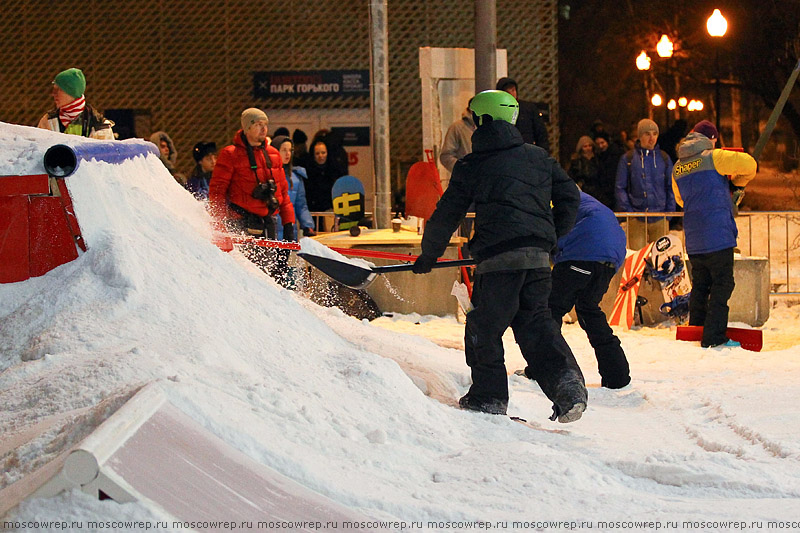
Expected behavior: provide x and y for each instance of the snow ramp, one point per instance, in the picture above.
(152, 300)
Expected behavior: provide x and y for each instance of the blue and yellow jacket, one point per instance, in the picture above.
(700, 182)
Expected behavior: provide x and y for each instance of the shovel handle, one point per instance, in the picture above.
(409, 266)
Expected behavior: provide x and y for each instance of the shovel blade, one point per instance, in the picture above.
(347, 274)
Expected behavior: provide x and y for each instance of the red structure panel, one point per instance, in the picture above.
(51, 242)
(14, 253)
(24, 185)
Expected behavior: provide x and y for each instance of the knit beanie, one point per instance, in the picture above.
(583, 141)
(299, 136)
(202, 149)
(706, 128)
(252, 115)
(278, 140)
(646, 125)
(602, 135)
(71, 81)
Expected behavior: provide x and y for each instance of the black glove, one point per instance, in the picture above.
(309, 232)
(423, 264)
(288, 232)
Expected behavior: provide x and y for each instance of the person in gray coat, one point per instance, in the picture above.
(458, 139)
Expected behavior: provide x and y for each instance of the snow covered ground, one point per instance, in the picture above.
(363, 412)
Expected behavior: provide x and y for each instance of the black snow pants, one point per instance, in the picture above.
(582, 284)
(517, 298)
(712, 286)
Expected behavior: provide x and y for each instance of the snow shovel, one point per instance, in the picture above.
(358, 277)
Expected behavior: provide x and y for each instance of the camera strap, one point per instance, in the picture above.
(251, 156)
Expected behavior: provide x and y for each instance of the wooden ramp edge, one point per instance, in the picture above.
(150, 451)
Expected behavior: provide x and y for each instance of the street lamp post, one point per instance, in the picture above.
(664, 49)
(643, 64)
(717, 26)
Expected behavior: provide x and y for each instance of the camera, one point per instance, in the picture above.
(266, 193)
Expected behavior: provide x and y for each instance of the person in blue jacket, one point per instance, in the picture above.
(644, 184)
(297, 192)
(205, 157)
(586, 259)
(701, 180)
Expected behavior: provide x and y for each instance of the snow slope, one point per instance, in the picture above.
(362, 412)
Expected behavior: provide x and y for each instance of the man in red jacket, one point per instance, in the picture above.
(248, 185)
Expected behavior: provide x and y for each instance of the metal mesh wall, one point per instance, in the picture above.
(190, 63)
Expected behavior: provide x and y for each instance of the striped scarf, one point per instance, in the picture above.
(70, 112)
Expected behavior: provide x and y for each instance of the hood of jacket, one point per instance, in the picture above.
(496, 135)
(156, 139)
(238, 139)
(694, 144)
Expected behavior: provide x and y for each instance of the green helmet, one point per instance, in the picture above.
(499, 105)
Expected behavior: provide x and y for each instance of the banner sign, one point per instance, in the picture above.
(291, 83)
(353, 135)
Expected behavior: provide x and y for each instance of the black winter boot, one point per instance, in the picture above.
(493, 407)
(570, 399)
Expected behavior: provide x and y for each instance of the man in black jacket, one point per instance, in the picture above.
(529, 123)
(512, 185)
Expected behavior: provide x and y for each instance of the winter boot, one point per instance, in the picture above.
(727, 344)
(523, 372)
(570, 400)
(615, 383)
(493, 406)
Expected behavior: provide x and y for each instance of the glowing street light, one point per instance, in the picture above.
(671, 104)
(643, 61)
(656, 100)
(695, 105)
(682, 101)
(664, 47)
(716, 24)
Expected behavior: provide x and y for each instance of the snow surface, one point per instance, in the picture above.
(363, 412)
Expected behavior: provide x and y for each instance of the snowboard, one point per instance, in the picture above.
(666, 265)
(750, 339)
(625, 302)
(348, 201)
(537, 426)
(423, 189)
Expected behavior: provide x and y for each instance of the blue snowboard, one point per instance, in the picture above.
(348, 201)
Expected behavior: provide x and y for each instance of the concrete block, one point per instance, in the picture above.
(406, 292)
(749, 302)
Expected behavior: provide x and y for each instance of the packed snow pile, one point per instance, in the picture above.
(363, 412)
